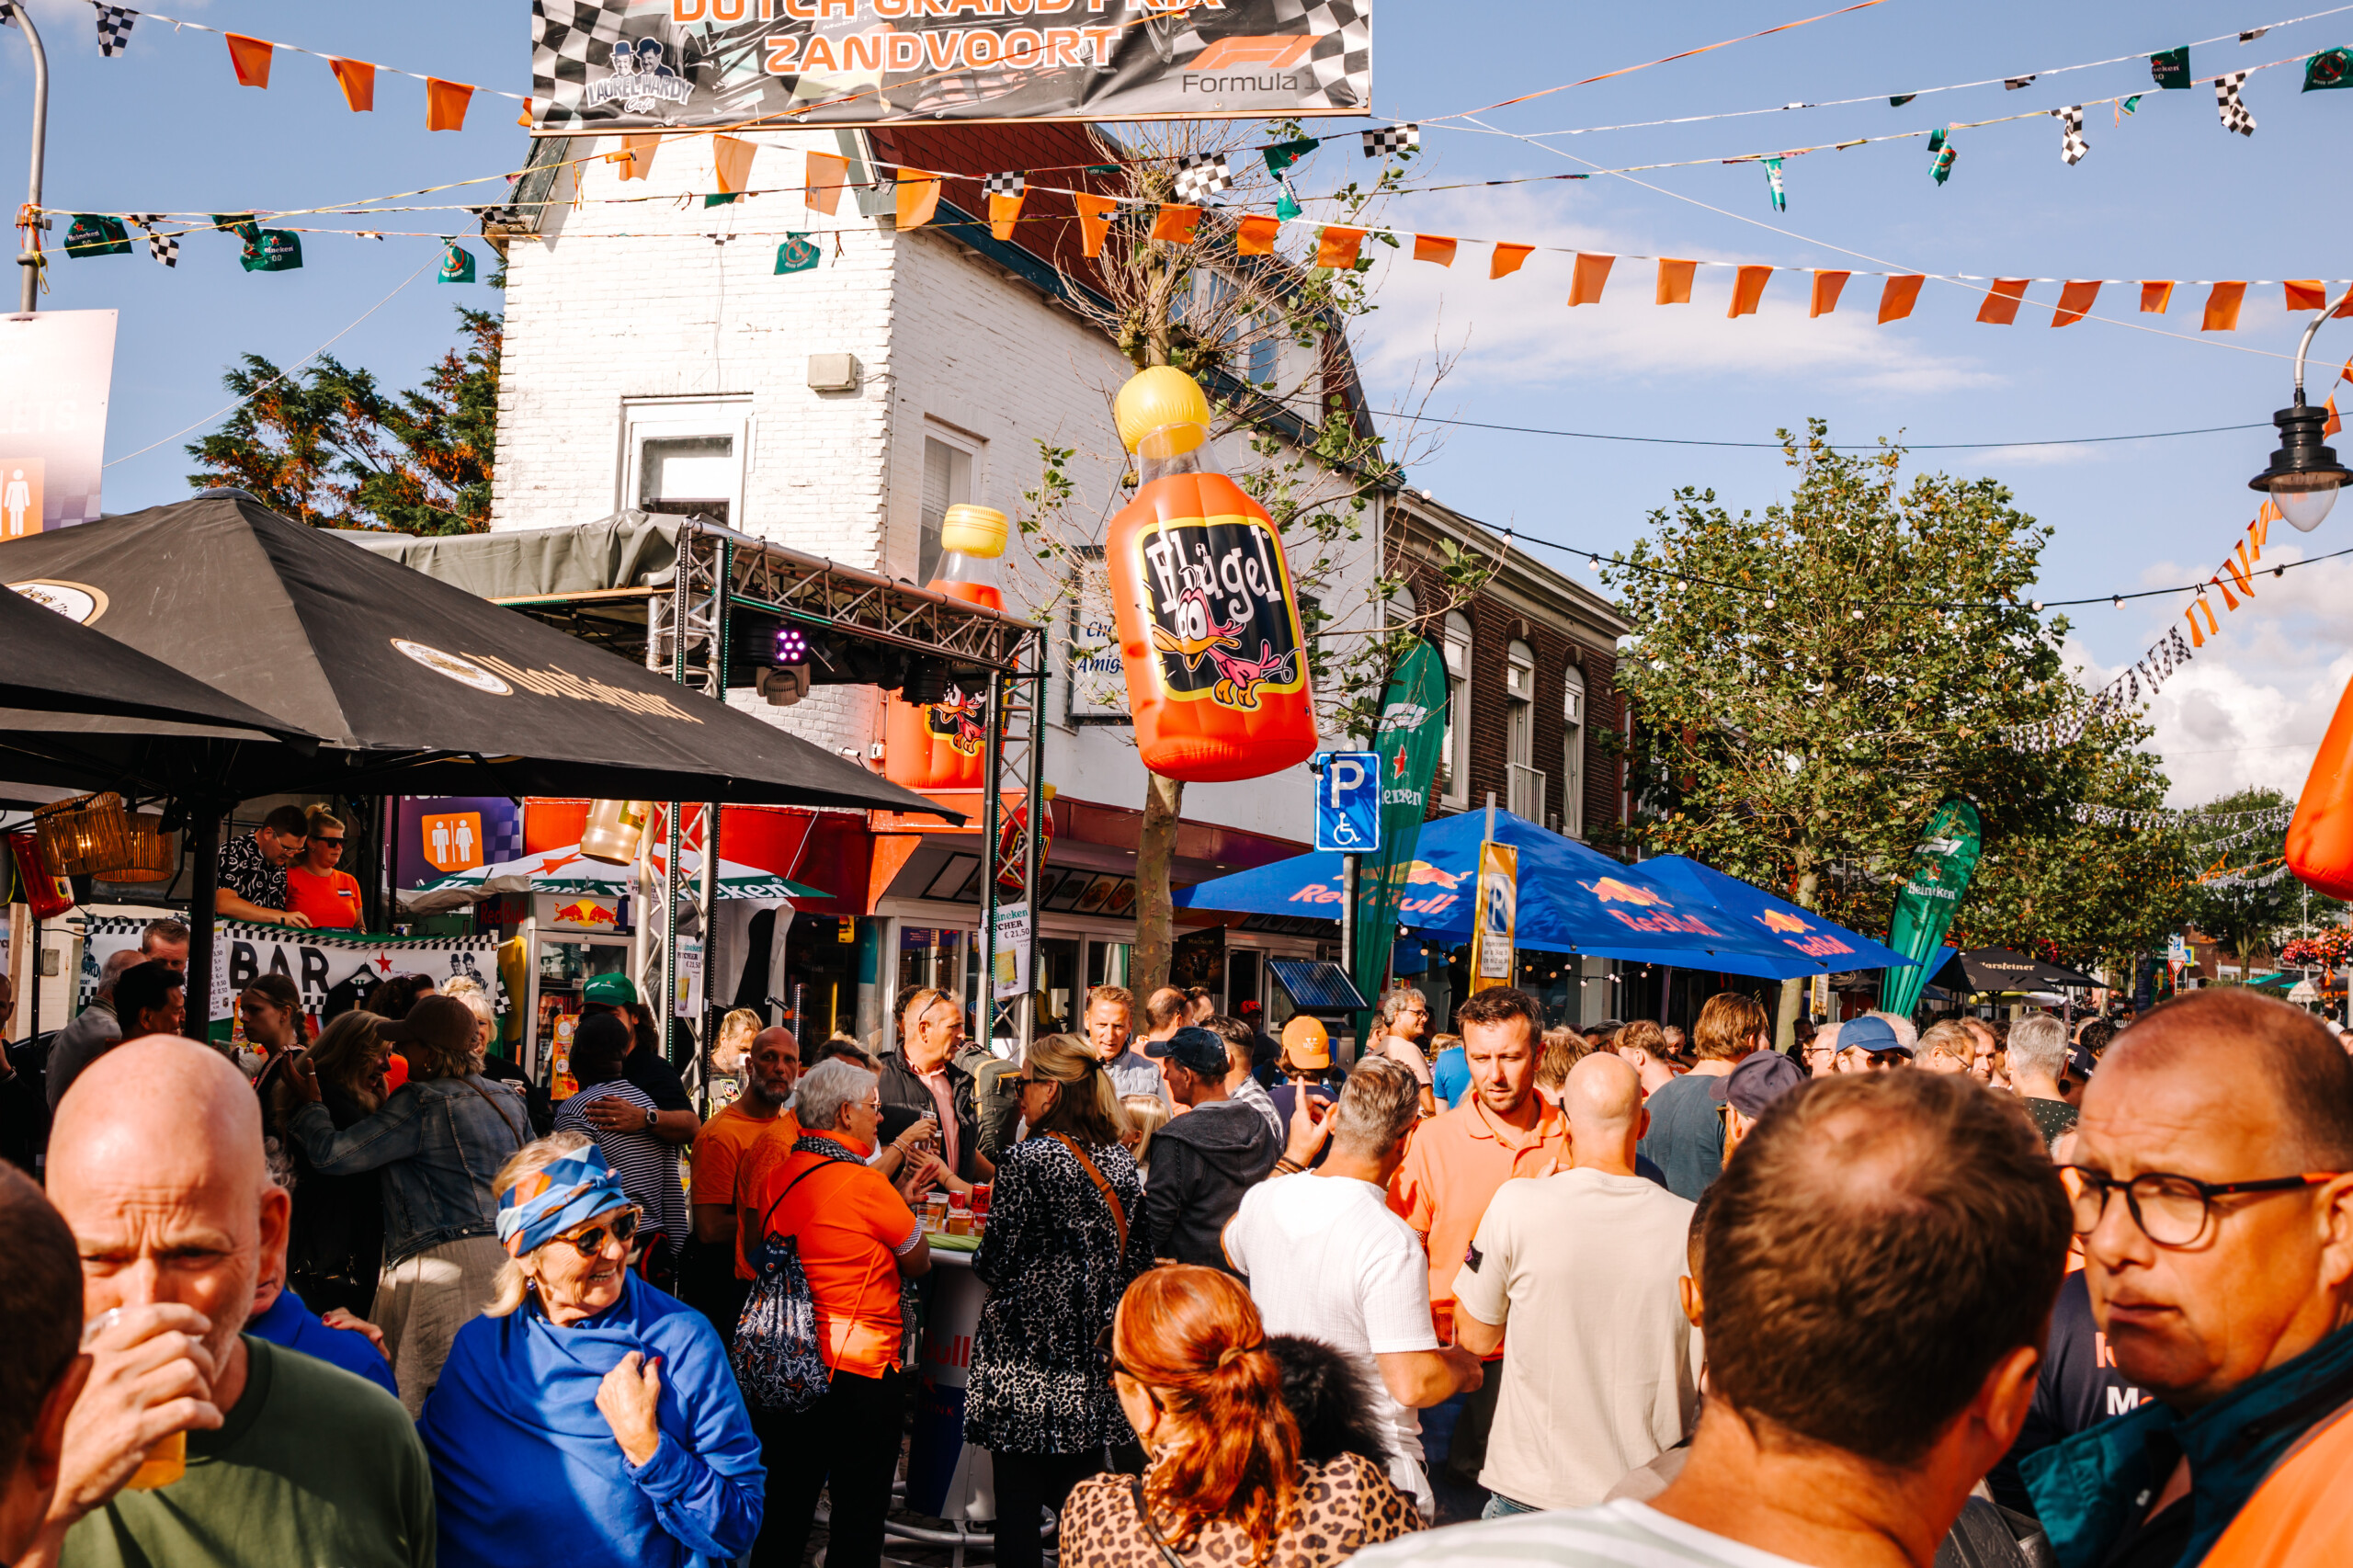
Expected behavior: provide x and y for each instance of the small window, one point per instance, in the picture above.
(946, 482)
(687, 459)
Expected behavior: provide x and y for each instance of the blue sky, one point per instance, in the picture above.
(2169, 194)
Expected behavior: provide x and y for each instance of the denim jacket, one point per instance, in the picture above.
(439, 1141)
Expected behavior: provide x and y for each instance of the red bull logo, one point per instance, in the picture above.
(1609, 890)
(1795, 933)
(1789, 924)
(587, 912)
(1423, 874)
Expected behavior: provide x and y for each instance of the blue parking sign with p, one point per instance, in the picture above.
(1347, 802)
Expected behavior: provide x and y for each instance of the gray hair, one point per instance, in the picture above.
(1397, 1001)
(1380, 1099)
(824, 1089)
(2038, 1045)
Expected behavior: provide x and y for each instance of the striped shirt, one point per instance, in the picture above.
(1616, 1535)
(647, 1166)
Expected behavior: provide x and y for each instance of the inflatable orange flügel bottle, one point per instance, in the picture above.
(1217, 678)
(941, 746)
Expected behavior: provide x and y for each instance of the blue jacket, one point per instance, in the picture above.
(526, 1469)
(2089, 1489)
(439, 1141)
(290, 1323)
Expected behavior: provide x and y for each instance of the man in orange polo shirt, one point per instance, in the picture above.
(1502, 1129)
(718, 1270)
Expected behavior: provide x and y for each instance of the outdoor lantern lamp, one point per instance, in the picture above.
(2304, 475)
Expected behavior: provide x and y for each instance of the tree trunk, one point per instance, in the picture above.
(1164, 803)
(1785, 1026)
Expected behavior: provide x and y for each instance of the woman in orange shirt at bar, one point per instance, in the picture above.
(313, 886)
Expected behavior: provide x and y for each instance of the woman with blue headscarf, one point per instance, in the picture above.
(586, 1417)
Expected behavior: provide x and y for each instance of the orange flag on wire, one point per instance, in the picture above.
(1674, 281)
(1256, 233)
(2198, 638)
(1338, 247)
(523, 119)
(2344, 305)
(2306, 294)
(2155, 298)
(822, 177)
(2001, 306)
(250, 56)
(2333, 426)
(445, 104)
(636, 156)
(358, 79)
(2222, 308)
(918, 197)
(1585, 283)
(1094, 220)
(1004, 211)
(1176, 223)
(1895, 300)
(1507, 259)
(1747, 287)
(2075, 298)
(1438, 248)
(731, 160)
(1827, 289)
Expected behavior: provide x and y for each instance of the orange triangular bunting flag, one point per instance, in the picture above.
(2307, 294)
(1592, 273)
(1094, 220)
(1438, 248)
(2075, 298)
(636, 156)
(1256, 233)
(2155, 298)
(358, 79)
(1747, 287)
(822, 178)
(2001, 306)
(1895, 300)
(2198, 638)
(2222, 308)
(2258, 532)
(1004, 212)
(1827, 289)
(1507, 259)
(523, 119)
(731, 159)
(2345, 304)
(250, 58)
(918, 197)
(1338, 247)
(1176, 223)
(1674, 281)
(445, 104)
(2333, 426)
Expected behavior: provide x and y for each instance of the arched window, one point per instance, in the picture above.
(1454, 765)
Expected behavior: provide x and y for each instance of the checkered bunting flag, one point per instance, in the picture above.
(2012, 84)
(164, 248)
(2072, 145)
(1202, 174)
(1390, 139)
(1005, 184)
(2226, 103)
(114, 29)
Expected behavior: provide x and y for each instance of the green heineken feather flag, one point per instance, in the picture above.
(93, 233)
(1411, 731)
(272, 250)
(2171, 69)
(1942, 865)
(2329, 68)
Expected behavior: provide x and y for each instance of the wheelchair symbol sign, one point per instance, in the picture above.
(1347, 802)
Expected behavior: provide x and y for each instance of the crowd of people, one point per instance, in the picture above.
(1602, 1296)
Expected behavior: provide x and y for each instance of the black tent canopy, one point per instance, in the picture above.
(2002, 969)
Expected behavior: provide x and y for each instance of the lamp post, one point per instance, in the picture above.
(2304, 475)
(29, 258)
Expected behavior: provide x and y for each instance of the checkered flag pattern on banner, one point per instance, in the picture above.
(2226, 102)
(2012, 84)
(567, 36)
(1391, 139)
(164, 248)
(1005, 184)
(2072, 145)
(114, 29)
(1202, 174)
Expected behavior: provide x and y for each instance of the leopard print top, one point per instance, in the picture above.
(1343, 1505)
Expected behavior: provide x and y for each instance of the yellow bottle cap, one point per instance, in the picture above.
(1161, 412)
(973, 531)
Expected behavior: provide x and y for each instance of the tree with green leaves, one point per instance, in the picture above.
(326, 445)
(1809, 685)
(2233, 893)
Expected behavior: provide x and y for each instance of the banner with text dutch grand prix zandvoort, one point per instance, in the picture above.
(637, 65)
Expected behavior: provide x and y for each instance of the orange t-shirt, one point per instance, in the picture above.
(331, 901)
(2303, 1513)
(1454, 1165)
(853, 1227)
(725, 1170)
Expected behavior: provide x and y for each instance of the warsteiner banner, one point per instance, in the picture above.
(657, 64)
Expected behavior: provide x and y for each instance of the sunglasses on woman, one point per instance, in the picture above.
(591, 1242)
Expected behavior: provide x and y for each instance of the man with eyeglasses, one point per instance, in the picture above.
(2213, 1191)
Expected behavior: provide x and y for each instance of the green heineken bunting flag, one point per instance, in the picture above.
(796, 255)
(457, 263)
(1411, 731)
(241, 224)
(722, 199)
(2329, 68)
(95, 235)
(2171, 69)
(1900, 99)
(272, 250)
(1941, 867)
(1283, 155)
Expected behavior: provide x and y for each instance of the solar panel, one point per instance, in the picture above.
(1317, 986)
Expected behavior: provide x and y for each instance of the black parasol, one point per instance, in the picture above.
(2001, 969)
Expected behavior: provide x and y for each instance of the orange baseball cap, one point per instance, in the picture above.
(1306, 1043)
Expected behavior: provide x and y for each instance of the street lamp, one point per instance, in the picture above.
(29, 296)
(2304, 475)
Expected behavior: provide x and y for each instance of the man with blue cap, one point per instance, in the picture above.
(1869, 1044)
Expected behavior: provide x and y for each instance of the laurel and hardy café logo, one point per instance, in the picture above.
(642, 80)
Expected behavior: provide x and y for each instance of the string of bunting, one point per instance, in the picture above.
(2263, 819)
(2240, 878)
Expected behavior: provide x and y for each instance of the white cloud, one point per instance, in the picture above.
(1519, 332)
